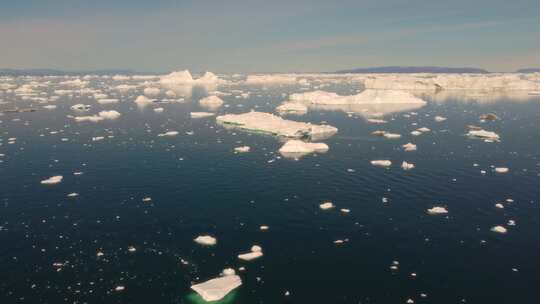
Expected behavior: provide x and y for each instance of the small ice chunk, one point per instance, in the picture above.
(206, 240)
(119, 288)
(502, 170)
(52, 180)
(217, 288)
(407, 166)
(73, 194)
(168, 134)
(242, 149)
(437, 210)
(292, 108)
(151, 92)
(499, 229)
(256, 252)
(201, 114)
(326, 205)
(499, 205)
(211, 102)
(409, 147)
(439, 118)
(105, 101)
(483, 134)
(381, 163)
(158, 110)
(296, 148)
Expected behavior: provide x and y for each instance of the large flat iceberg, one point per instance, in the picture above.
(365, 97)
(275, 125)
(216, 289)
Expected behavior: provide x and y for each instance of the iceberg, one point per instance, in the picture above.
(256, 252)
(407, 166)
(184, 78)
(211, 102)
(52, 180)
(381, 163)
(205, 240)
(168, 134)
(365, 97)
(502, 170)
(326, 206)
(103, 115)
(292, 108)
(242, 149)
(499, 229)
(483, 134)
(143, 101)
(409, 147)
(201, 114)
(296, 148)
(275, 125)
(437, 210)
(216, 289)
(151, 92)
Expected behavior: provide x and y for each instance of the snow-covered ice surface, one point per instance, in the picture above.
(141, 181)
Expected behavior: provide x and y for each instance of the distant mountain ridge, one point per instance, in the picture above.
(53, 72)
(413, 69)
(529, 70)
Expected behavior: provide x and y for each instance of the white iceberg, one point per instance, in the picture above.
(216, 289)
(201, 114)
(499, 229)
(326, 206)
(292, 108)
(103, 115)
(381, 163)
(437, 210)
(143, 101)
(206, 240)
(365, 97)
(184, 78)
(502, 170)
(168, 134)
(256, 252)
(151, 92)
(295, 148)
(483, 134)
(275, 125)
(52, 180)
(407, 166)
(273, 79)
(409, 147)
(242, 149)
(211, 102)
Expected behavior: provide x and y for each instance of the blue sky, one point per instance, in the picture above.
(268, 36)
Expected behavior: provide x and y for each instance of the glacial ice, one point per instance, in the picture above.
(217, 288)
(407, 166)
(52, 180)
(409, 147)
(103, 115)
(255, 253)
(483, 134)
(211, 102)
(201, 114)
(295, 148)
(273, 79)
(437, 210)
(275, 125)
(381, 163)
(326, 205)
(499, 229)
(206, 240)
(184, 78)
(365, 97)
(242, 149)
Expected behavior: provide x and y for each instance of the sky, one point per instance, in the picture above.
(247, 36)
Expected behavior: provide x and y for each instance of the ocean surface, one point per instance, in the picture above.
(60, 249)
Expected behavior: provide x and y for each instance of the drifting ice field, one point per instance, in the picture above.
(126, 190)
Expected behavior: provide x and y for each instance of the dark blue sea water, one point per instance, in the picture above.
(198, 185)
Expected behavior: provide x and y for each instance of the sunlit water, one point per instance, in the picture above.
(198, 185)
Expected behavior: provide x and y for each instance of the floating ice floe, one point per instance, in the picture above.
(365, 97)
(499, 229)
(407, 166)
(381, 163)
(255, 253)
(205, 240)
(295, 148)
(502, 170)
(159, 110)
(376, 121)
(103, 115)
(409, 147)
(143, 101)
(80, 107)
(326, 205)
(275, 125)
(168, 134)
(483, 134)
(185, 78)
(201, 114)
(292, 108)
(217, 288)
(439, 118)
(50, 107)
(242, 149)
(386, 134)
(151, 92)
(52, 180)
(105, 101)
(437, 210)
(211, 102)
(274, 79)
(489, 117)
